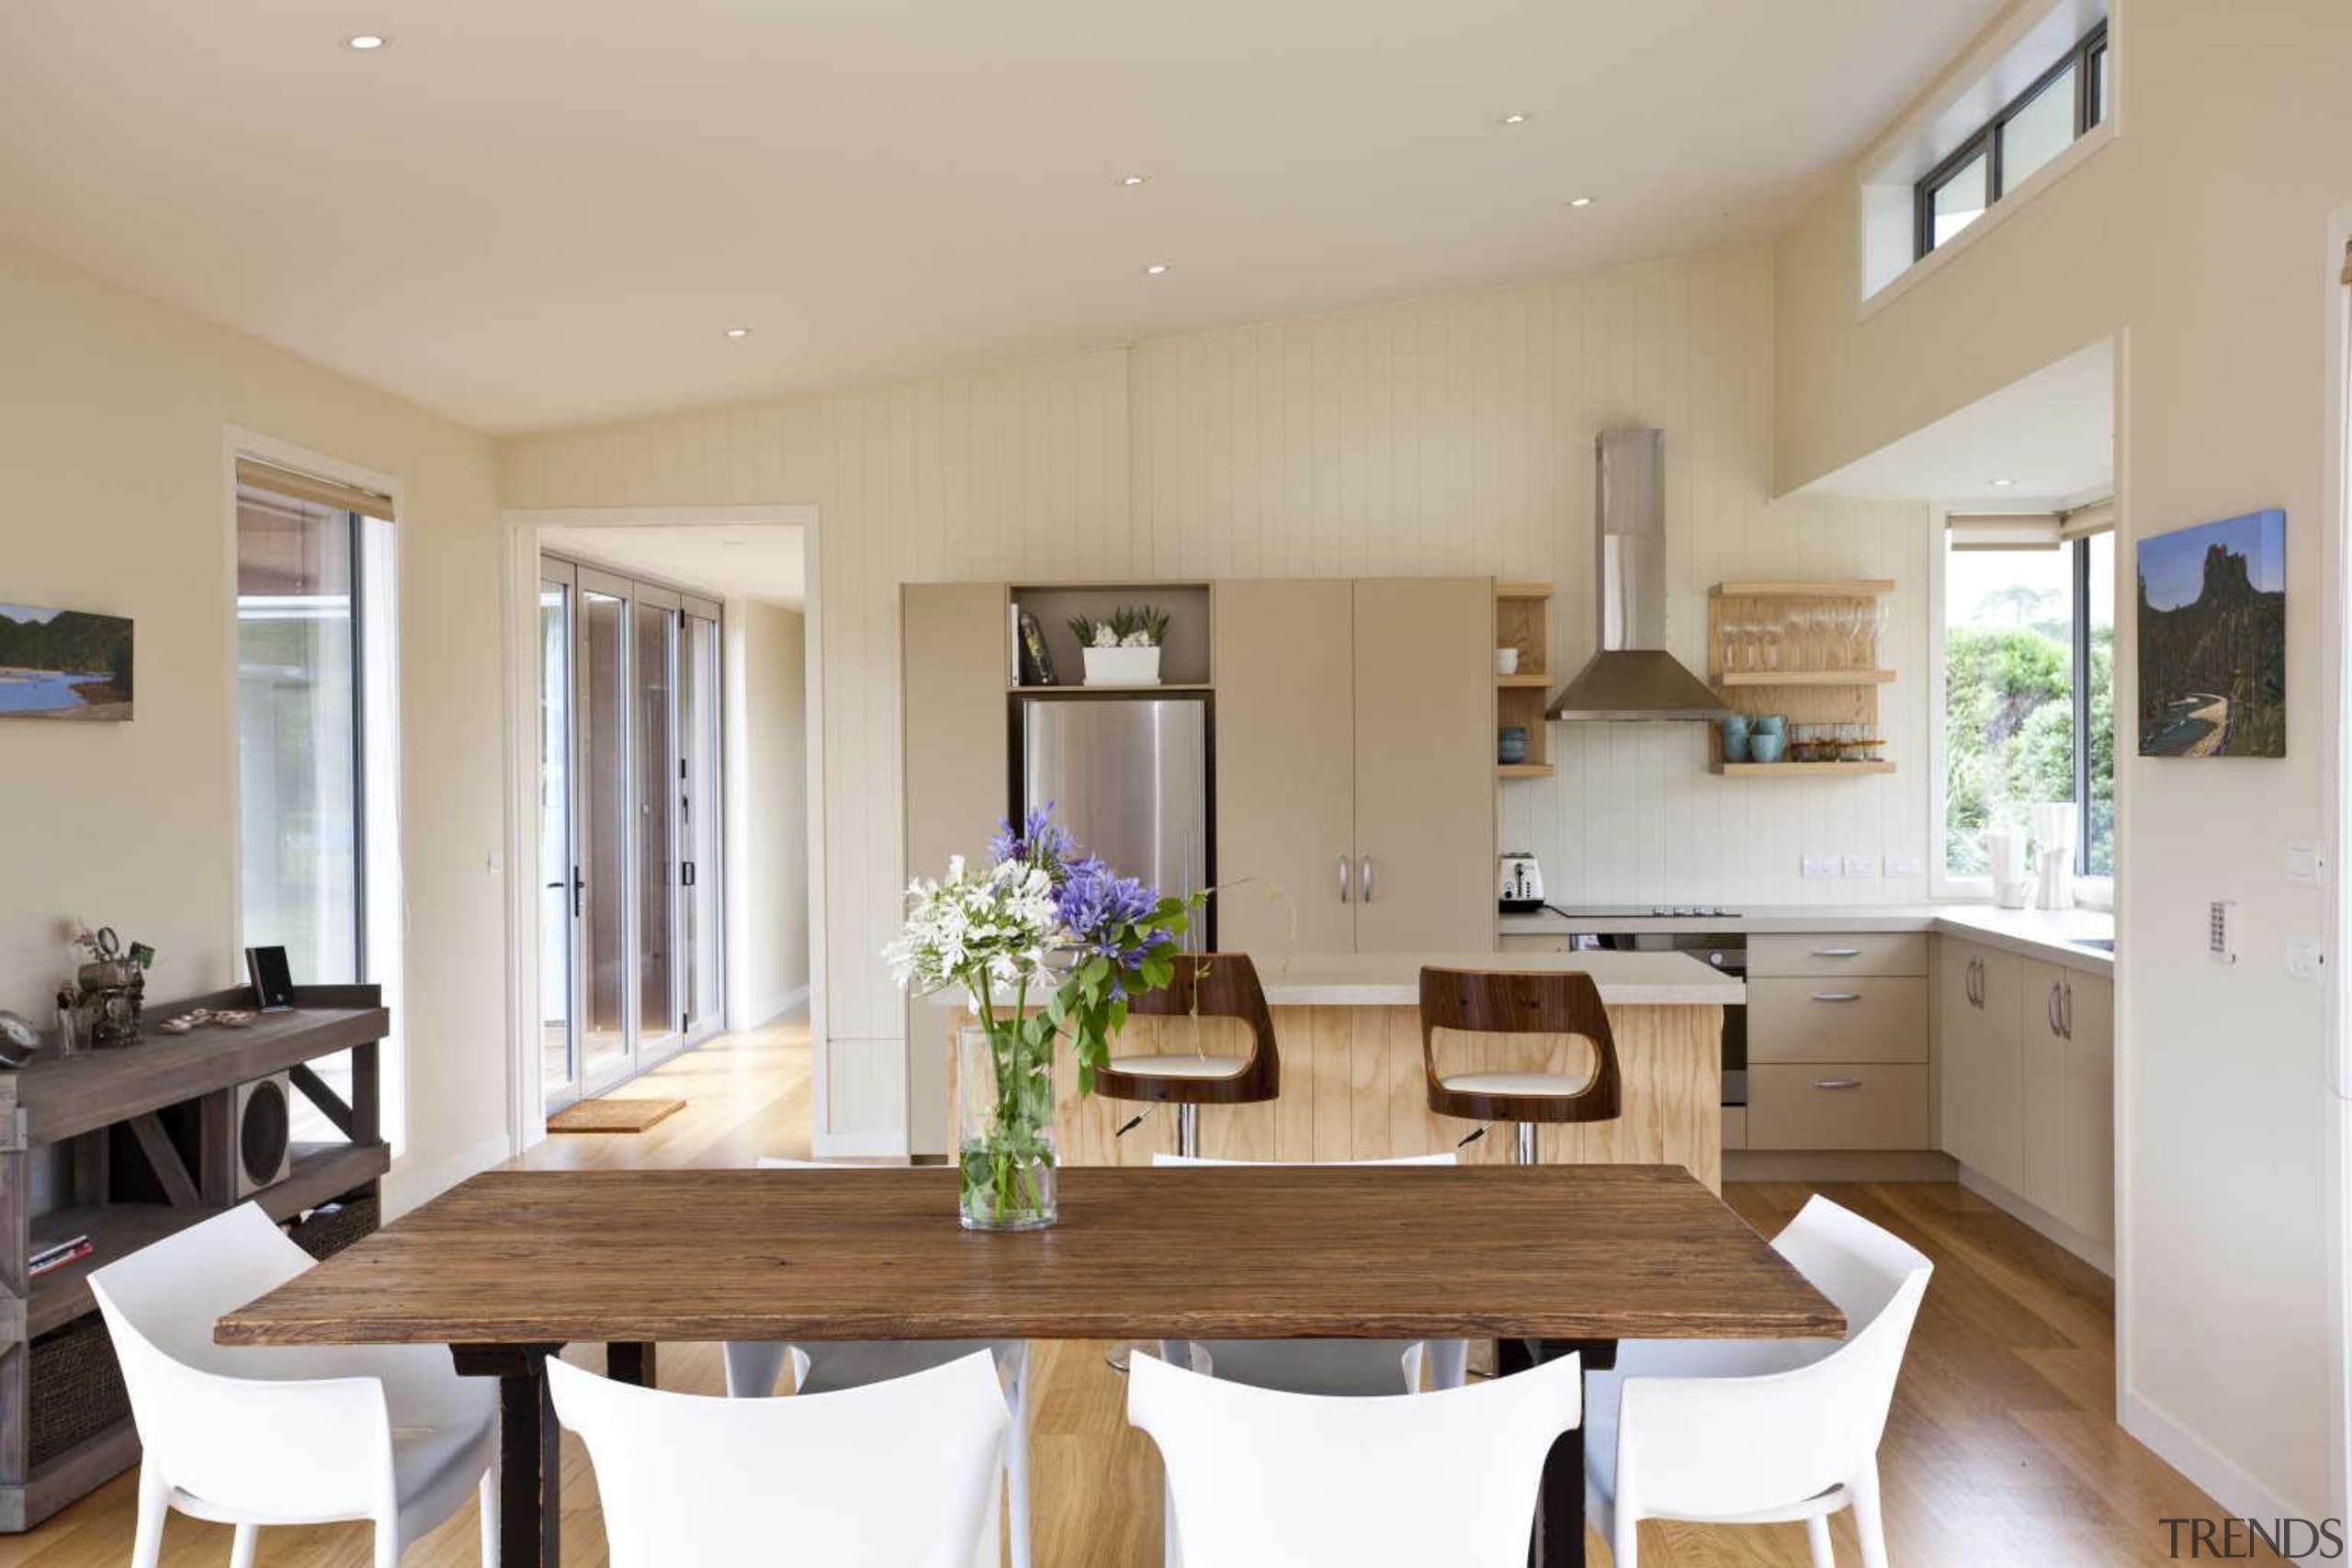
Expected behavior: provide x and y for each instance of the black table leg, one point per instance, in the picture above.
(530, 1471)
(1558, 1538)
(630, 1362)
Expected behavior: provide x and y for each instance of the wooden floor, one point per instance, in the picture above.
(2001, 1451)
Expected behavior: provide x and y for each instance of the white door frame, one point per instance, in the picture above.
(2336, 764)
(518, 598)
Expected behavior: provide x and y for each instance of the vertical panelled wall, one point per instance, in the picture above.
(1452, 436)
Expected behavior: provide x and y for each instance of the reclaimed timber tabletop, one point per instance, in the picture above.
(552, 1257)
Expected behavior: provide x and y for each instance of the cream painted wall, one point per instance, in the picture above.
(113, 410)
(2198, 236)
(1451, 435)
(768, 947)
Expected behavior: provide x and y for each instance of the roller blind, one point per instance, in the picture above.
(299, 486)
(2028, 530)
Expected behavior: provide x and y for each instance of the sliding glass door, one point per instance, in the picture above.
(628, 771)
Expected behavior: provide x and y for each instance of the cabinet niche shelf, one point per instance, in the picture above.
(1800, 696)
(1521, 622)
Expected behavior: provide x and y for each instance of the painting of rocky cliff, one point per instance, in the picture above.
(64, 664)
(2213, 639)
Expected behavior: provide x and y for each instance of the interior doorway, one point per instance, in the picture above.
(665, 775)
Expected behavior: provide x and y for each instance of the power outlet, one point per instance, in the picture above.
(1820, 868)
(1902, 865)
(1861, 865)
(2306, 958)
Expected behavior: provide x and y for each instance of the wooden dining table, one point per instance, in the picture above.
(509, 1268)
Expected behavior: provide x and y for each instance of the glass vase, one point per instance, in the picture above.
(1004, 1128)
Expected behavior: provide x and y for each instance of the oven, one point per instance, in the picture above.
(1726, 952)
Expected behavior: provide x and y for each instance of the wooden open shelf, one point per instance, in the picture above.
(1820, 588)
(1798, 770)
(1806, 678)
(1522, 621)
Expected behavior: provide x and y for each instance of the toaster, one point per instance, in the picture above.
(1520, 884)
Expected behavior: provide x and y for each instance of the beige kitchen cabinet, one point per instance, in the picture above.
(2069, 1110)
(1838, 1019)
(1355, 775)
(1837, 1052)
(1285, 765)
(1867, 1105)
(1979, 1058)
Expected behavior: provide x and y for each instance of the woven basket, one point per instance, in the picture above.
(330, 1229)
(74, 1390)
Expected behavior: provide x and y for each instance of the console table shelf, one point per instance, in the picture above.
(171, 1098)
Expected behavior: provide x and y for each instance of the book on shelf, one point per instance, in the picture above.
(58, 1256)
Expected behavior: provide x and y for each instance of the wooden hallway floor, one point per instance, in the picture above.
(2002, 1450)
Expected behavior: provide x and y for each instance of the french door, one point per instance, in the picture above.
(628, 813)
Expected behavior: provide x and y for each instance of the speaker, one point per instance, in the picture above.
(265, 1125)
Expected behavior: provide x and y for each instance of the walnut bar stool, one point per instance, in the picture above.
(1207, 985)
(1486, 1001)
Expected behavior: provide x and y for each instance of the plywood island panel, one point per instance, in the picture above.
(1353, 1085)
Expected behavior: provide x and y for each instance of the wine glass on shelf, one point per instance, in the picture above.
(1882, 617)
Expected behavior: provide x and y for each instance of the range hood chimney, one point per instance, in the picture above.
(1632, 677)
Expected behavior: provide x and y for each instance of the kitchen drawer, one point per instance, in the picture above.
(1867, 1106)
(1735, 1126)
(1837, 1020)
(1885, 952)
(1532, 942)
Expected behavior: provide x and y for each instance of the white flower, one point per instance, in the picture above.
(1103, 635)
(1137, 639)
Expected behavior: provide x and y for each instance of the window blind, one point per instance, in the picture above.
(298, 486)
(2003, 530)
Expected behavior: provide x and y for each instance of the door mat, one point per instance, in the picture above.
(613, 1115)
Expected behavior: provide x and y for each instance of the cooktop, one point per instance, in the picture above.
(1647, 911)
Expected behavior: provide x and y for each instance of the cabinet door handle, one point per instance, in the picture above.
(1344, 879)
(2050, 1011)
(1363, 878)
(2066, 1008)
(1836, 1083)
(1836, 952)
(1837, 995)
(1976, 983)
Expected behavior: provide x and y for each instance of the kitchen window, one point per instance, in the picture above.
(2063, 102)
(2028, 666)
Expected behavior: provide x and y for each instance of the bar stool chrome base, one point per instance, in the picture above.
(1523, 1143)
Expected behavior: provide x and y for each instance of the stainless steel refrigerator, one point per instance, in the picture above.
(1130, 776)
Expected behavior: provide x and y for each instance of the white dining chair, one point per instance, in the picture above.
(1763, 1432)
(1323, 1366)
(897, 1474)
(1258, 1479)
(254, 1436)
(755, 1369)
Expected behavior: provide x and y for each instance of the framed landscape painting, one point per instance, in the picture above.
(64, 664)
(2213, 639)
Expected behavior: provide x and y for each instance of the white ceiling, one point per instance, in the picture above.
(761, 561)
(2052, 433)
(526, 213)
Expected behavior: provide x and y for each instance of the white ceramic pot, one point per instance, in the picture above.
(1122, 666)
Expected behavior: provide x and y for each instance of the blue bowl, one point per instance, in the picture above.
(1765, 748)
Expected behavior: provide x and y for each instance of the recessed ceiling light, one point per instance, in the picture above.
(739, 331)
(1580, 201)
(365, 41)
(2002, 484)
(1155, 269)
(1132, 180)
(1514, 118)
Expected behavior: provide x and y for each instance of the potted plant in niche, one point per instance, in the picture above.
(1124, 649)
(1044, 921)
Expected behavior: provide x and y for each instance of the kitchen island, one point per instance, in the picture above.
(1349, 1029)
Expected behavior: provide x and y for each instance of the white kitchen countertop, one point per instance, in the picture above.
(2048, 935)
(1394, 979)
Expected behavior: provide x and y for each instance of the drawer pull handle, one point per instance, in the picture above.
(1837, 995)
(1836, 1083)
(1836, 952)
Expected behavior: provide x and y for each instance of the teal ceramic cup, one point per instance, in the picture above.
(1766, 724)
(1736, 737)
(1764, 747)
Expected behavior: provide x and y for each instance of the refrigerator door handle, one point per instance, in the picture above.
(1344, 879)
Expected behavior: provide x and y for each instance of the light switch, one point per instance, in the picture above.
(1820, 868)
(1861, 865)
(2307, 865)
(493, 862)
(2306, 958)
(1902, 865)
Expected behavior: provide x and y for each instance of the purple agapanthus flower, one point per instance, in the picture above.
(1099, 908)
(1039, 841)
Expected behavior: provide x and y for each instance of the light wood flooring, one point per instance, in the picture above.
(2001, 1449)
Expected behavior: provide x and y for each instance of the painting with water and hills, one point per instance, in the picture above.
(2213, 639)
(64, 664)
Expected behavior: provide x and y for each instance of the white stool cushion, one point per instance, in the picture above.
(1565, 1085)
(1180, 1067)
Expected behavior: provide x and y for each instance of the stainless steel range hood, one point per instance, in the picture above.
(1632, 677)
